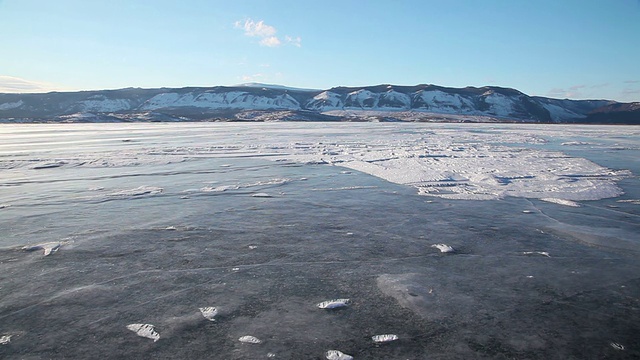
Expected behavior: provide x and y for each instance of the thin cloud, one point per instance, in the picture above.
(259, 29)
(295, 41)
(266, 33)
(632, 81)
(270, 41)
(12, 84)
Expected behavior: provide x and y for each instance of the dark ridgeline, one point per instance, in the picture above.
(267, 103)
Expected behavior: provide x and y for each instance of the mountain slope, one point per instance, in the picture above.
(260, 102)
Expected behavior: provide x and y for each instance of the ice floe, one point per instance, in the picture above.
(384, 338)
(444, 248)
(630, 201)
(337, 355)
(543, 253)
(209, 313)
(145, 330)
(334, 304)
(248, 339)
(5, 339)
(617, 346)
(48, 247)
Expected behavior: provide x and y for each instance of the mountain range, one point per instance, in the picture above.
(261, 102)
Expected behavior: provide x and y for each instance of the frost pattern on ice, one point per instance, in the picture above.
(145, 330)
(333, 304)
(337, 355)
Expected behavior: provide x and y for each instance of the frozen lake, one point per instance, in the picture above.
(148, 223)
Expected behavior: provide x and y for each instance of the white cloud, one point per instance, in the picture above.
(270, 41)
(295, 41)
(259, 29)
(11, 84)
(266, 33)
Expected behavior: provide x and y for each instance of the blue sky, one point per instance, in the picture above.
(558, 48)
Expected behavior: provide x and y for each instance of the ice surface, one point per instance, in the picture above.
(148, 246)
(454, 163)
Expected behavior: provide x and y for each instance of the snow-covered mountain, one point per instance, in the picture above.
(262, 102)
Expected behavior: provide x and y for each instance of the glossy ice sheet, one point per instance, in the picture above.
(151, 239)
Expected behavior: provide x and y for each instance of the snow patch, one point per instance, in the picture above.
(361, 99)
(222, 100)
(324, 101)
(499, 104)
(11, 105)
(104, 105)
(439, 101)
